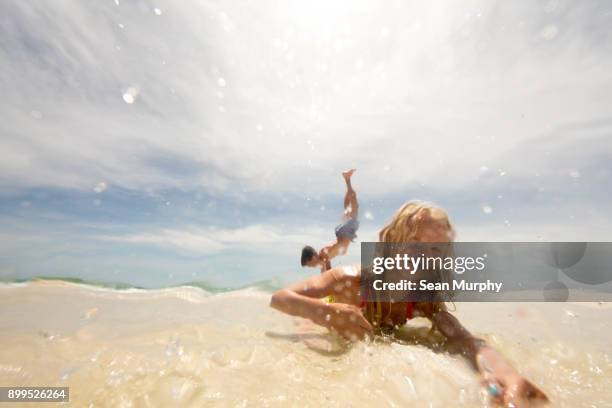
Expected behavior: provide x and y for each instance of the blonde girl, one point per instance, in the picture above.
(413, 222)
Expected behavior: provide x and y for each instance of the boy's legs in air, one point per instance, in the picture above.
(346, 231)
(351, 206)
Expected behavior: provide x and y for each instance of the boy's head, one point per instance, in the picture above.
(310, 257)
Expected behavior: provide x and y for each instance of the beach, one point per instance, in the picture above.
(186, 347)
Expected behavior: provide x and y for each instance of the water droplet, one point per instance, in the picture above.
(549, 32)
(100, 187)
(368, 215)
(130, 95)
(157, 11)
(487, 209)
(221, 82)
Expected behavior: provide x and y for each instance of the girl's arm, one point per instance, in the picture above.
(303, 299)
(503, 382)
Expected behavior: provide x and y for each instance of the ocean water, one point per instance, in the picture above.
(186, 346)
(269, 285)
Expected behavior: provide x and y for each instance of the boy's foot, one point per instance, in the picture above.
(347, 174)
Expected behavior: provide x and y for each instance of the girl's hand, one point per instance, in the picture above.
(504, 384)
(348, 321)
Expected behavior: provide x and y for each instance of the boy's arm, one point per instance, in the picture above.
(332, 250)
(326, 265)
(504, 383)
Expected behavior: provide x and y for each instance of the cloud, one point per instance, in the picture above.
(209, 241)
(566, 224)
(241, 97)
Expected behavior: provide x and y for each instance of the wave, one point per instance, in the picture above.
(268, 286)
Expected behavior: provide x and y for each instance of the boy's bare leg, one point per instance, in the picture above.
(350, 198)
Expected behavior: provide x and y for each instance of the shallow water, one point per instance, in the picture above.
(184, 347)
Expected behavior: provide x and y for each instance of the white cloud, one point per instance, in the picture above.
(282, 95)
(208, 241)
(565, 221)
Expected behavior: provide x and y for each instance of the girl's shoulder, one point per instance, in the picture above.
(347, 272)
(346, 284)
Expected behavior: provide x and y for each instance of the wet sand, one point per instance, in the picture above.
(184, 347)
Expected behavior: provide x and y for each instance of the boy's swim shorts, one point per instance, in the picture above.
(348, 229)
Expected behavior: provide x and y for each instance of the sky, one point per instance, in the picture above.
(161, 142)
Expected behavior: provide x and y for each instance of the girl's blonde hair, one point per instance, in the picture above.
(405, 223)
(404, 227)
